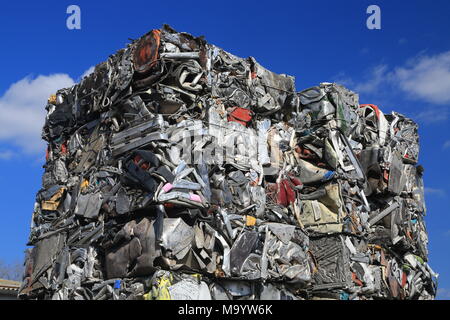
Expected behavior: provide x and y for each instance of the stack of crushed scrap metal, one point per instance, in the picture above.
(177, 170)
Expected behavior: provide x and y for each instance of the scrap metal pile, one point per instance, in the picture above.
(177, 170)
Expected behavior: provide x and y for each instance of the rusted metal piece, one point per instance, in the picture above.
(145, 54)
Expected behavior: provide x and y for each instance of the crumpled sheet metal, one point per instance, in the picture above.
(177, 170)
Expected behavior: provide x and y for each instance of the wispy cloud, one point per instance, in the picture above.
(446, 144)
(6, 155)
(22, 109)
(87, 72)
(424, 78)
(23, 112)
(402, 41)
(343, 79)
(432, 115)
(443, 294)
(364, 51)
(377, 76)
(434, 191)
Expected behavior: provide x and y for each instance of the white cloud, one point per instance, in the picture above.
(430, 116)
(447, 144)
(343, 79)
(6, 155)
(377, 76)
(22, 110)
(426, 78)
(433, 191)
(364, 51)
(443, 294)
(88, 72)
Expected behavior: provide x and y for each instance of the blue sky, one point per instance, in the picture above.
(405, 67)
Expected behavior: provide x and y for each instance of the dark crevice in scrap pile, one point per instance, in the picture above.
(177, 170)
